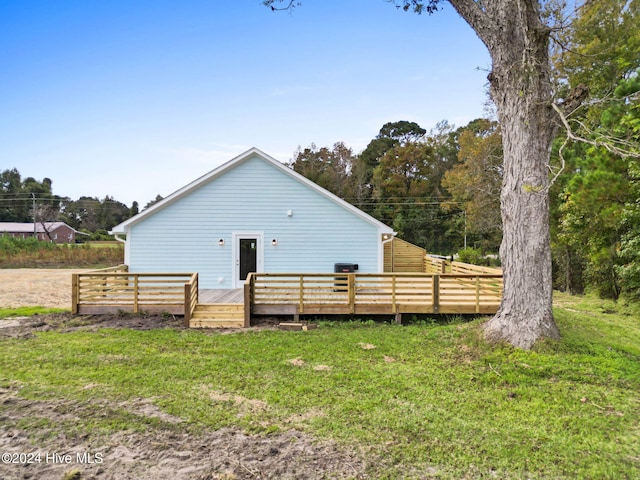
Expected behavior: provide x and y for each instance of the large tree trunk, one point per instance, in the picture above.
(525, 313)
(520, 87)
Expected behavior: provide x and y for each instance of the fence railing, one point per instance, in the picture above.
(389, 293)
(441, 265)
(104, 291)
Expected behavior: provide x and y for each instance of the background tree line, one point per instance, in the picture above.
(23, 200)
(426, 185)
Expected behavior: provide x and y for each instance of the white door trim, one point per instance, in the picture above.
(235, 257)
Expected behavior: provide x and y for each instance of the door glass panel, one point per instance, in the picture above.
(248, 256)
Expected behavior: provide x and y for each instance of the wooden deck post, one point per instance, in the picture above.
(436, 293)
(478, 294)
(301, 294)
(135, 293)
(187, 304)
(248, 302)
(393, 295)
(74, 293)
(351, 289)
(394, 307)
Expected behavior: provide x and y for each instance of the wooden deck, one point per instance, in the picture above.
(373, 294)
(289, 294)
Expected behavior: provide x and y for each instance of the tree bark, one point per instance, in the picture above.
(521, 89)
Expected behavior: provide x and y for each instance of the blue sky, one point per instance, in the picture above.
(133, 98)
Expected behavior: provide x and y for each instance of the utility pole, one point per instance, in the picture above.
(35, 230)
(465, 229)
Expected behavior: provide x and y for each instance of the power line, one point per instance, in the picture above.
(60, 200)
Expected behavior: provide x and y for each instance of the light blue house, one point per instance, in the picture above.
(252, 214)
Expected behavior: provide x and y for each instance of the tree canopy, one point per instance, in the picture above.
(19, 197)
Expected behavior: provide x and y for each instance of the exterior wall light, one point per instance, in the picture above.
(274, 242)
(221, 242)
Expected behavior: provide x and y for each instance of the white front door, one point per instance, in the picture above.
(248, 256)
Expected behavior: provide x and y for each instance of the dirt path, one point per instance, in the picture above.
(30, 287)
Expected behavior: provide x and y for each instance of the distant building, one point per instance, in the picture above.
(58, 232)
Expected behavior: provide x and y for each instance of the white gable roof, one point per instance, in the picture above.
(221, 170)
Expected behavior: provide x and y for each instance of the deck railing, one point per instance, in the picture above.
(115, 290)
(440, 265)
(112, 291)
(358, 293)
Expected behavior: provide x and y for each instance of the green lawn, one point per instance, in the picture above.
(419, 396)
(28, 311)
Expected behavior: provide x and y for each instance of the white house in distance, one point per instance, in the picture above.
(252, 214)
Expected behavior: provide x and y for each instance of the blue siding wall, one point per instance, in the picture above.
(254, 196)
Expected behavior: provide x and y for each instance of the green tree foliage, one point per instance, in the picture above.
(401, 180)
(474, 183)
(629, 267)
(134, 210)
(390, 135)
(593, 200)
(402, 132)
(599, 48)
(329, 168)
(407, 189)
(153, 202)
(590, 217)
(18, 196)
(93, 214)
(13, 206)
(397, 179)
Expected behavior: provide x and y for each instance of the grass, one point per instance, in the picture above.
(419, 397)
(28, 311)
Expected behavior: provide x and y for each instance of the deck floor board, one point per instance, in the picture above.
(235, 295)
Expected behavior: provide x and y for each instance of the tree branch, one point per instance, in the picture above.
(475, 16)
(290, 6)
(611, 144)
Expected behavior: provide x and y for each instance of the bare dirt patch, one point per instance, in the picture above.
(24, 327)
(29, 287)
(163, 451)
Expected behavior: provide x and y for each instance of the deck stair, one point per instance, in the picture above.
(218, 315)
